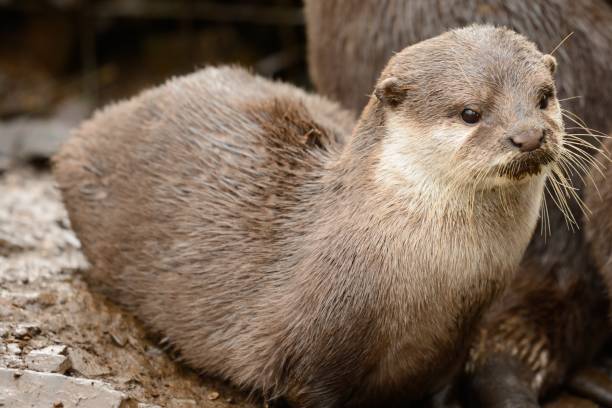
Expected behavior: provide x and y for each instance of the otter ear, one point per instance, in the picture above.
(389, 91)
(550, 62)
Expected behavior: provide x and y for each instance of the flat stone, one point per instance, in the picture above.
(25, 388)
(26, 329)
(49, 359)
(13, 348)
(54, 349)
(84, 364)
(11, 360)
(118, 338)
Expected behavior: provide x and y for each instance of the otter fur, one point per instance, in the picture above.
(349, 45)
(237, 217)
(598, 223)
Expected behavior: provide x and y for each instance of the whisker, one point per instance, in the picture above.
(586, 163)
(554, 195)
(577, 142)
(575, 116)
(571, 116)
(570, 158)
(588, 129)
(574, 147)
(576, 119)
(561, 43)
(564, 163)
(563, 191)
(572, 191)
(544, 219)
(569, 98)
(577, 139)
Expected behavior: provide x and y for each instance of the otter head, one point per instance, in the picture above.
(472, 105)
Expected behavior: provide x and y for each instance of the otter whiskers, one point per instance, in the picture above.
(576, 159)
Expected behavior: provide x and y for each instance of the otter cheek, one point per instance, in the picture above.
(484, 146)
(453, 139)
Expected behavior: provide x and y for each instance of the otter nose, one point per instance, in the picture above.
(528, 140)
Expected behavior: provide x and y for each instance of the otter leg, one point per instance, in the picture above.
(594, 384)
(501, 381)
(543, 327)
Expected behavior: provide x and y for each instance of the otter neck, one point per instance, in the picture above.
(461, 223)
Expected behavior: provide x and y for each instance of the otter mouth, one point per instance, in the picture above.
(527, 164)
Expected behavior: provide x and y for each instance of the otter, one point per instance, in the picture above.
(557, 273)
(234, 215)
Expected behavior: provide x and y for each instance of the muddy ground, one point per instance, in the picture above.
(44, 302)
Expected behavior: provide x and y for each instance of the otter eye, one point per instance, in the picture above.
(470, 116)
(543, 104)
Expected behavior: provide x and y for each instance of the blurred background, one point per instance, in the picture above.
(60, 59)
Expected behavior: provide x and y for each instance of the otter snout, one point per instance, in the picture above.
(532, 151)
(528, 140)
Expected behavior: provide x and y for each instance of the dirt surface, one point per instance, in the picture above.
(44, 301)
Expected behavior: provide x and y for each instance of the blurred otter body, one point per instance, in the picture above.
(598, 226)
(230, 213)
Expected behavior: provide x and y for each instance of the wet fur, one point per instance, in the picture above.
(232, 214)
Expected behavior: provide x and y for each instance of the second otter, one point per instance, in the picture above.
(229, 214)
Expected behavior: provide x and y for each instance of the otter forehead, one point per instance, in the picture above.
(498, 53)
(474, 65)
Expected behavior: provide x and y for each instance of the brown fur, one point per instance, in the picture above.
(231, 215)
(348, 46)
(598, 224)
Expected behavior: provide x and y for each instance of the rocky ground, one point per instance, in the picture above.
(62, 345)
